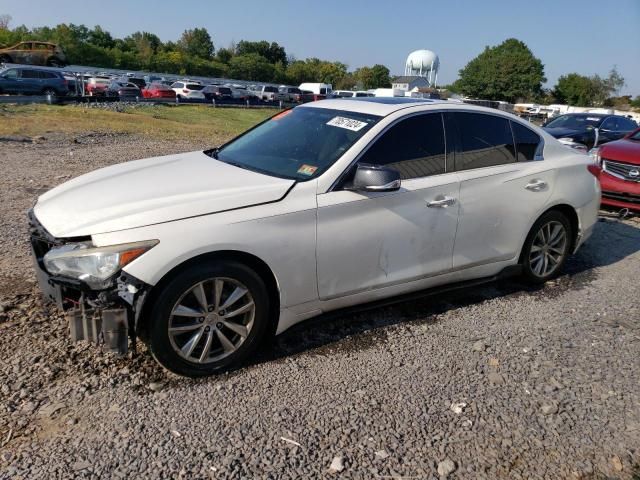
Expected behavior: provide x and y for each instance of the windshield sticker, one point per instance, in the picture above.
(593, 119)
(307, 170)
(348, 123)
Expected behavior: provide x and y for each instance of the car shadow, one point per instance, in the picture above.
(363, 327)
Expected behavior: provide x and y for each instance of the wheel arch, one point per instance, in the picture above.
(569, 212)
(257, 264)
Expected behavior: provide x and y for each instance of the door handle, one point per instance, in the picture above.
(442, 202)
(536, 185)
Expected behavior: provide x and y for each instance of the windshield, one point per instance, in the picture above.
(299, 144)
(271, 89)
(576, 122)
(194, 86)
(635, 136)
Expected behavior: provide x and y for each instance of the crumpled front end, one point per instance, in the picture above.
(107, 315)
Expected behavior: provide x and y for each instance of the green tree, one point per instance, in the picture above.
(251, 67)
(373, 77)
(273, 52)
(100, 37)
(197, 42)
(508, 71)
(580, 90)
(348, 82)
(224, 55)
(298, 72)
(575, 89)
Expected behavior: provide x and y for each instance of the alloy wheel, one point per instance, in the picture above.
(548, 249)
(211, 320)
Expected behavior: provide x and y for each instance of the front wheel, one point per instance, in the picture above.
(547, 247)
(209, 318)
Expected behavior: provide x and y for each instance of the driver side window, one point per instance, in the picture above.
(415, 147)
(609, 124)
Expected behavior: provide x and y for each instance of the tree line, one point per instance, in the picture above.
(511, 72)
(194, 53)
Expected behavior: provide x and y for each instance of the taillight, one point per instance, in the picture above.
(184, 90)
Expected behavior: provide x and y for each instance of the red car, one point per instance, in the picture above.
(619, 172)
(158, 90)
(97, 86)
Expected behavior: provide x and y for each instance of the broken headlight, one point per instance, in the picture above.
(93, 265)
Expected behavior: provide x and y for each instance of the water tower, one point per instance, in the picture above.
(423, 63)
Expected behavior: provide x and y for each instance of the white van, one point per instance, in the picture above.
(317, 88)
(351, 94)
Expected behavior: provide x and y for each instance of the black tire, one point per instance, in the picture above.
(49, 91)
(5, 59)
(530, 266)
(171, 293)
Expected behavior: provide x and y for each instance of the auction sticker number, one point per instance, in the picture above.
(348, 123)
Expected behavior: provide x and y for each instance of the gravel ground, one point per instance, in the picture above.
(501, 381)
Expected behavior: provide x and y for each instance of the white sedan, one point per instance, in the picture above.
(328, 205)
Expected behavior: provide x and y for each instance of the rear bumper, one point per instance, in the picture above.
(588, 217)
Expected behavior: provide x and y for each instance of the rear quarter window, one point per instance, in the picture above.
(527, 142)
(484, 141)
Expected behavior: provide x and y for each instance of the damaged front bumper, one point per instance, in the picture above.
(108, 317)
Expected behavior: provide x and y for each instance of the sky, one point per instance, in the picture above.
(584, 36)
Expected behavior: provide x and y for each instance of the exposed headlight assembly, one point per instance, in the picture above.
(93, 265)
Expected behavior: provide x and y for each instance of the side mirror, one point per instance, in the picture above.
(376, 178)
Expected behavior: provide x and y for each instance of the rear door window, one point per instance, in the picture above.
(626, 124)
(483, 141)
(527, 142)
(30, 74)
(414, 146)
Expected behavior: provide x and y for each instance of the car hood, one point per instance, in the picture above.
(150, 191)
(624, 150)
(559, 132)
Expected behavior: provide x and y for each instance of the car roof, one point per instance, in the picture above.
(589, 114)
(374, 105)
(30, 67)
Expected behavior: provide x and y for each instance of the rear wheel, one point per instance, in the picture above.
(209, 318)
(547, 247)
